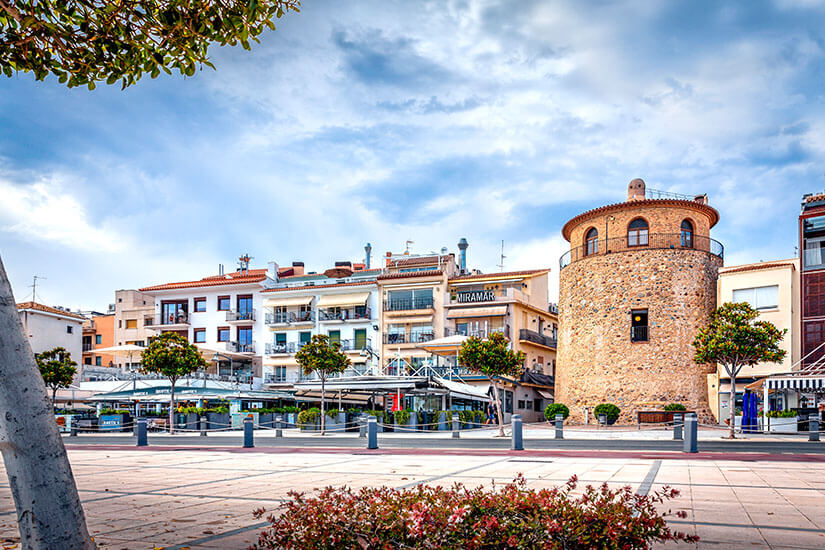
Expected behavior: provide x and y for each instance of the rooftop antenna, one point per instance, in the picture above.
(407, 251)
(34, 286)
(500, 265)
(243, 263)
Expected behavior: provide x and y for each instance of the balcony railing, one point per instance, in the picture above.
(354, 345)
(480, 332)
(407, 304)
(273, 348)
(657, 241)
(241, 347)
(179, 318)
(536, 338)
(289, 317)
(243, 315)
(344, 314)
(639, 334)
(408, 337)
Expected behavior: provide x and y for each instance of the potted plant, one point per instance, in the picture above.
(609, 410)
(402, 419)
(783, 422)
(308, 420)
(551, 410)
(445, 418)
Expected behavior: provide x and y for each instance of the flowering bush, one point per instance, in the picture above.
(458, 517)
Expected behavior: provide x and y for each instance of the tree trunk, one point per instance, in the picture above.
(172, 409)
(498, 409)
(323, 423)
(732, 404)
(49, 514)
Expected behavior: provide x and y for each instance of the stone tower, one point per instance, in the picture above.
(638, 283)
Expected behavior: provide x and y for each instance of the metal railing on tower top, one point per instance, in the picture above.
(645, 241)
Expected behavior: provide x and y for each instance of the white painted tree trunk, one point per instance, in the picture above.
(323, 402)
(49, 514)
(172, 408)
(498, 409)
(732, 403)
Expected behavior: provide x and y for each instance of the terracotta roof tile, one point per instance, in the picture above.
(421, 260)
(755, 267)
(40, 307)
(312, 287)
(234, 278)
(411, 274)
(526, 272)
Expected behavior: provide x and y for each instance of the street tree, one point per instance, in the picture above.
(735, 337)
(89, 41)
(493, 358)
(325, 358)
(56, 368)
(49, 514)
(171, 355)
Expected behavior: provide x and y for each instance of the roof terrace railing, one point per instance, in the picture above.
(644, 241)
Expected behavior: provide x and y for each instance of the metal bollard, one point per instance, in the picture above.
(142, 439)
(518, 441)
(813, 428)
(691, 433)
(456, 435)
(602, 420)
(678, 419)
(73, 430)
(202, 422)
(559, 426)
(372, 433)
(248, 440)
(362, 426)
(279, 431)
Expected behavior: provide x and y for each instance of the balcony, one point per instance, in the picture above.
(289, 317)
(408, 304)
(478, 333)
(169, 321)
(408, 337)
(344, 314)
(652, 241)
(241, 347)
(353, 345)
(235, 316)
(284, 348)
(87, 347)
(534, 337)
(639, 334)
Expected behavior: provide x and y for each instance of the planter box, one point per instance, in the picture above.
(216, 421)
(267, 419)
(443, 424)
(609, 421)
(783, 425)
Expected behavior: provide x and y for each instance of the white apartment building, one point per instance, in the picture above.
(342, 303)
(48, 328)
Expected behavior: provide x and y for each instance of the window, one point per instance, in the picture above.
(814, 294)
(98, 339)
(638, 325)
(687, 234)
(148, 322)
(200, 304)
(69, 329)
(537, 405)
(223, 303)
(244, 304)
(335, 336)
(200, 335)
(410, 299)
(591, 242)
(304, 337)
(175, 312)
(245, 336)
(120, 323)
(98, 361)
(521, 404)
(763, 297)
(131, 323)
(360, 338)
(813, 235)
(223, 334)
(421, 332)
(637, 233)
(87, 360)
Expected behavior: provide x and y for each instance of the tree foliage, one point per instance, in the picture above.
(492, 357)
(322, 356)
(734, 338)
(86, 41)
(57, 369)
(172, 356)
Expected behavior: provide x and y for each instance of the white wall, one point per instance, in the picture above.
(47, 331)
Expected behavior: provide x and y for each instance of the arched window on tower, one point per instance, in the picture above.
(591, 242)
(687, 234)
(637, 233)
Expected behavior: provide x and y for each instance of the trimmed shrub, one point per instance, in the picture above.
(513, 516)
(332, 413)
(608, 409)
(675, 407)
(402, 417)
(782, 414)
(309, 416)
(551, 410)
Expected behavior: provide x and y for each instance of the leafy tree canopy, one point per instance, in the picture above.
(172, 356)
(734, 337)
(322, 356)
(86, 41)
(56, 367)
(492, 356)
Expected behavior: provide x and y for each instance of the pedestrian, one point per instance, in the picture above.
(491, 413)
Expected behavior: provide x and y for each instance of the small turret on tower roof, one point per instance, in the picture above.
(636, 190)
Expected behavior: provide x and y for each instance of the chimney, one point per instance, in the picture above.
(701, 199)
(297, 268)
(220, 270)
(368, 250)
(272, 270)
(636, 190)
(462, 255)
(389, 255)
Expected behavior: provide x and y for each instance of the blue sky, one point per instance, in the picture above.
(389, 120)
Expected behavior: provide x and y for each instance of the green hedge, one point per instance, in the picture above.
(553, 409)
(608, 409)
(782, 414)
(675, 407)
(402, 417)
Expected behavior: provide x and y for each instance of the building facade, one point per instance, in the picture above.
(773, 289)
(636, 286)
(49, 327)
(812, 287)
(134, 315)
(98, 332)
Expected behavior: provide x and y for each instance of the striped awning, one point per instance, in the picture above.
(464, 313)
(291, 301)
(341, 300)
(802, 383)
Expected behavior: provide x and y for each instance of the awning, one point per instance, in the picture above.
(294, 301)
(461, 313)
(280, 362)
(458, 389)
(340, 300)
(209, 352)
(545, 394)
(402, 320)
(444, 346)
(799, 383)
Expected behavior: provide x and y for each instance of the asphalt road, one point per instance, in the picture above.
(422, 442)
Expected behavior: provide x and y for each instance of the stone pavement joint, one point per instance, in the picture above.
(644, 488)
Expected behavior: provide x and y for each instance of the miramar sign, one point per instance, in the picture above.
(467, 296)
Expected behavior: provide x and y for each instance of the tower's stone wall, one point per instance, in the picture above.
(597, 362)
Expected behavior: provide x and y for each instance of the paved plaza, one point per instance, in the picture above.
(171, 497)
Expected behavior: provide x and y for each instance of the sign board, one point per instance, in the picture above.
(110, 422)
(237, 419)
(469, 296)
